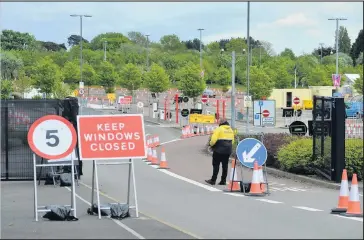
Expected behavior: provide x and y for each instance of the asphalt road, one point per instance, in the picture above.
(179, 197)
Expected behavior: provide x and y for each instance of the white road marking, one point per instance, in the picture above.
(174, 140)
(115, 221)
(189, 181)
(268, 201)
(235, 194)
(351, 218)
(308, 209)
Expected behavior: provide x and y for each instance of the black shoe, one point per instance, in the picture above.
(222, 183)
(210, 182)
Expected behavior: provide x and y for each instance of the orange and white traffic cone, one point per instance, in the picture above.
(189, 130)
(344, 195)
(154, 160)
(255, 189)
(207, 130)
(184, 130)
(354, 201)
(234, 184)
(261, 178)
(157, 141)
(202, 131)
(163, 162)
(149, 156)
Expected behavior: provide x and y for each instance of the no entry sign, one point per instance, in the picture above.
(110, 137)
(52, 137)
(296, 100)
(204, 98)
(265, 113)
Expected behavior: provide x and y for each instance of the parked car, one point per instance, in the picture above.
(210, 93)
(354, 107)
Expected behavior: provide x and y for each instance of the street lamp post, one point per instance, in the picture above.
(337, 40)
(81, 60)
(200, 29)
(105, 43)
(248, 65)
(147, 35)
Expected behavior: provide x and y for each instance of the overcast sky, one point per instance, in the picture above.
(300, 26)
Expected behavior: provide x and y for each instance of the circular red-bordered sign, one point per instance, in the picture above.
(204, 98)
(52, 137)
(296, 100)
(265, 113)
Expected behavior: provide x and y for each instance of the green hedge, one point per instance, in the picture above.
(354, 157)
(296, 157)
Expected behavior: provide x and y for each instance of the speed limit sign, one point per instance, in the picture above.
(52, 137)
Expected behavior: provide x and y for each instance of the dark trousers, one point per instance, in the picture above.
(218, 158)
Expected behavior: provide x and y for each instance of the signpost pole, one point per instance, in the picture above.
(233, 115)
(93, 186)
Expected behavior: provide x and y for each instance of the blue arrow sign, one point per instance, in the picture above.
(260, 103)
(250, 150)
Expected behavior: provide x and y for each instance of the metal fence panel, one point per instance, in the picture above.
(16, 118)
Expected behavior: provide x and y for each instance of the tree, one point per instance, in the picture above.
(344, 60)
(287, 52)
(213, 47)
(23, 83)
(47, 76)
(326, 51)
(156, 80)
(359, 60)
(89, 75)
(319, 76)
(10, 65)
(267, 47)
(137, 38)
(236, 44)
(190, 81)
(6, 88)
(74, 40)
(52, 46)
(222, 76)
(261, 84)
(61, 90)
(71, 73)
(114, 41)
(131, 77)
(13, 40)
(107, 76)
(344, 40)
(171, 43)
(358, 46)
(358, 84)
(193, 44)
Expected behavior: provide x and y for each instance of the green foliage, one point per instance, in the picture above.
(222, 76)
(61, 90)
(131, 77)
(354, 157)
(344, 60)
(288, 53)
(12, 40)
(6, 88)
(358, 85)
(10, 65)
(344, 40)
(113, 39)
(171, 43)
(358, 46)
(296, 157)
(107, 76)
(47, 75)
(71, 72)
(260, 83)
(190, 82)
(156, 80)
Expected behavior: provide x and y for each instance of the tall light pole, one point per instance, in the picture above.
(321, 44)
(147, 35)
(248, 65)
(105, 43)
(81, 60)
(200, 29)
(337, 40)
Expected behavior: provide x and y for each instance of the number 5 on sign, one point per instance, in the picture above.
(52, 137)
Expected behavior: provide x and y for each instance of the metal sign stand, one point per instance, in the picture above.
(37, 208)
(95, 177)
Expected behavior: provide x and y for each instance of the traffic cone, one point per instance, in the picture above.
(183, 133)
(202, 131)
(157, 141)
(154, 160)
(344, 195)
(207, 130)
(261, 178)
(255, 189)
(163, 161)
(149, 156)
(354, 201)
(234, 184)
(191, 131)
